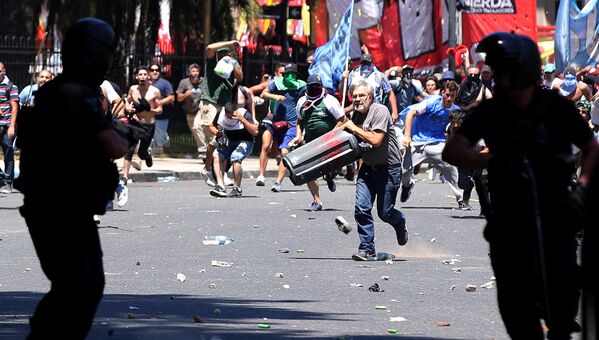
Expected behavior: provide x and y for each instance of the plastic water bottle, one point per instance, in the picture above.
(217, 240)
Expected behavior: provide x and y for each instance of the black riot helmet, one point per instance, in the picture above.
(514, 55)
(88, 49)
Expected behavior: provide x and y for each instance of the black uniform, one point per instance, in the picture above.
(541, 134)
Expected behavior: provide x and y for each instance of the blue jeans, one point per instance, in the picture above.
(381, 184)
(7, 176)
(160, 133)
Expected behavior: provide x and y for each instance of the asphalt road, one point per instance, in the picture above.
(159, 234)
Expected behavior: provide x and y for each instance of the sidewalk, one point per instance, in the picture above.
(189, 169)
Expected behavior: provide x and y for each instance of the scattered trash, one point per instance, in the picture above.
(150, 214)
(198, 319)
(217, 240)
(452, 261)
(385, 277)
(263, 325)
(279, 275)
(133, 308)
(375, 288)
(181, 277)
(356, 285)
(452, 287)
(167, 179)
(255, 226)
(216, 311)
(137, 263)
(389, 261)
(487, 285)
(221, 264)
(416, 234)
(300, 250)
(456, 269)
(392, 331)
(27, 269)
(380, 307)
(442, 324)
(342, 224)
(202, 271)
(397, 319)
(365, 266)
(470, 288)
(130, 316)
(382, 256)
(433, 240)
(286, 286)
(283, 250)
(293, 215)
(274, 203)
(211, 285)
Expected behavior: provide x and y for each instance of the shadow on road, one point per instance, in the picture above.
(150, 317)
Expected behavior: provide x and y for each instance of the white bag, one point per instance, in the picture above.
(224, 67)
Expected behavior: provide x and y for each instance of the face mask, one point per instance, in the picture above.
(366, 69)
(313, 92)
(290, 81)
(474, 79)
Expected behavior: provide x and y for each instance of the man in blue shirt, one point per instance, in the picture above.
(167, 98)
(424, 139)
(27, 95)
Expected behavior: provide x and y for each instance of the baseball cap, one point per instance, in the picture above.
(549, 68)
(291, 68)
(314, 79)
(223, 49)
(407, 67)
(366, 58)
(448, 75)
(486, 68)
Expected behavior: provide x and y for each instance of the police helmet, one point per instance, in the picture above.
(512, 54)
(88, 49)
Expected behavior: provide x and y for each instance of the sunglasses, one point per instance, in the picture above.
(155, 69)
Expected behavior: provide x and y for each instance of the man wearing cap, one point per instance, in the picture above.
(284, 93)
(217, 91)
(407, 90)
(486, 74)
(570, 87)
(472, 90)
(318, 113)
(377, 79)
(549, 79)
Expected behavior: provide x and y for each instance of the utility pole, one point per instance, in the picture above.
(207, 21)
(451, 25)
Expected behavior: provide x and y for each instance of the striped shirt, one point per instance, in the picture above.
(5, 99)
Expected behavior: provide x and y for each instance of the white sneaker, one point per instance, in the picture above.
(97, 219)
(122, 194)
(227, 181)
(260, 181)
(432, 174)
(210, 180)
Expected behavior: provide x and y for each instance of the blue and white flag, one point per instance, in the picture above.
(330, 59)
(577, 34)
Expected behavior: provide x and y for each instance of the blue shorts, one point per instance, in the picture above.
(237, 150)
(283, 138)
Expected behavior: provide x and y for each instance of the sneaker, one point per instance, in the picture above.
(342, 224)
(332, 185)
(406, 192)
(109, 205)
(136, 165)
(315, 206)
(210, 180)
(276, 187)
(464, 206)
(6, 189)
(218, 191)
(364, 256)
(432, 174)
(235, 192)
(97, 219)
(227, 181)
(122, 193)
(402, 236)
(260, 181)
(442, 179)
(149, 160)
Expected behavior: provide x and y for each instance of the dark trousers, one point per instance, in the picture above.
(144, 143)
(7, 176)
(71, 257)
(519, 288)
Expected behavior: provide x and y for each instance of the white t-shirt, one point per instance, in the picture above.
(111, 94)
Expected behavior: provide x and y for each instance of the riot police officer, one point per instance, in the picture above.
(59, 204)
(535, 206)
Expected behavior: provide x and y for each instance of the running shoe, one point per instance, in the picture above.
(122, 194)
(364, 256)
(406, 192)
(260, 181)
(6, 189)
(462, 205)
(315, 206)
(402, 235)
(218, 191)
(276, 187)
(331, 184)
(235, 192)
(149, 160)
(227, 181)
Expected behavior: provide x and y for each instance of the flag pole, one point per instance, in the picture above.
(351, 19)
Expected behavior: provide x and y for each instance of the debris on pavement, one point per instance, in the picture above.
(217, 240)
(342, 224)
(221, 264)
(397, 319)
(383, 256)
(138, 263)
(284, 250)
(130, 316)
(286, 286)
(470, 288)
(181, 277)
(255, 226)
(433, 240)
(211, 285)
(300, 250)
(393, 330)
(293, 215)
(385, 277)
(279, 275)
(452, 261)
(456, 269)
(133, 308)
(442, 324)
(375, 288)
(263, 325)
(380, 307)
(487, 285)
(198, 319)
(216, 311)
(356, 285)
(452, 287)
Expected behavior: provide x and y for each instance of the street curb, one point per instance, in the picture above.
(167, 175)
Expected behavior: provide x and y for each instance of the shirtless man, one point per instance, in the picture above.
(142, 107)
(571, 88)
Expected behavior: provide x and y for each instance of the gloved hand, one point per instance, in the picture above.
(142, 105)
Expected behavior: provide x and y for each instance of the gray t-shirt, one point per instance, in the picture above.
(191, 104)
(379, 118)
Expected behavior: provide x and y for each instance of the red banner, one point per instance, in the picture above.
(480, 18)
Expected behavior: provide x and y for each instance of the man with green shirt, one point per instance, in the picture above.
(217, 90)
(318, 113)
